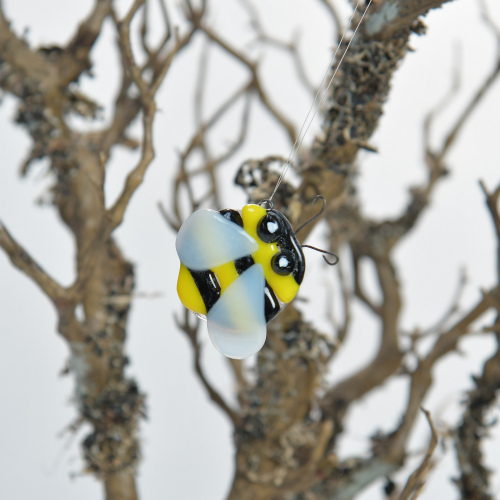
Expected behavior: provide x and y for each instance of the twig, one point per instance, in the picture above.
(256, 83)
(492, 203)
(346, 300)
(175, 225)
(239, 374)
(63, 299)
(416, 481)
(236, 145)
(289, 47)
(147, 93)
(471, 106)
(198, 141)
(128, 106)
(332, 10)
(358, 289)
(434, 113)
(474, 478)
(74, 59)
(382, 26)
(25, 263)
(421, 378)
(450, 138)
(202, 144)
(192, 333)
(448, 314)
(388, 358)
(474, 475)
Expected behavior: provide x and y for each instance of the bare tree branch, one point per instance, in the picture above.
(332, 9)
(25, 263)
(198, 141)
(192, 333)
(147, 92)
(74, 58)
(289, 47)
(253, 69)
(389, 16)
(416, 481)
(108, 401)
(474, 480)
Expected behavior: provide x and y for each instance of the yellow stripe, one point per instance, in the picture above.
(188, 292)
(226, 274)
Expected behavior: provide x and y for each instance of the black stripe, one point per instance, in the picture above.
(272, 305)
(208, 286)
(232, 215)
(243, 263)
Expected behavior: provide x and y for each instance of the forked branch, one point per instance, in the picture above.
(26, 264)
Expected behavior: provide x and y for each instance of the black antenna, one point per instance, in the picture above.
(318, 197)
(322, 198)
(325, 252)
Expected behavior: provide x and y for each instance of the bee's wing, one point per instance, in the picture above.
(236, 322)
(207, 240)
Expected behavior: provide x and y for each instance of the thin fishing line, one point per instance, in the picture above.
(295, 146)
(322, 81)
(298, 139)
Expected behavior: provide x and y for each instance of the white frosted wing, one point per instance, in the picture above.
(237, 322)
(207, 239)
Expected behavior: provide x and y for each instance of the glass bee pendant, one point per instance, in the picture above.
(238, 270)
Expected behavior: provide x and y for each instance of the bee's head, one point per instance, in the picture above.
(279, 253)
(275, 228)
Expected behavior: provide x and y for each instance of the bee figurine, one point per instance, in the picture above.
(239, 270)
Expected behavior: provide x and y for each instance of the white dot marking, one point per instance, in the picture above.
(272, 227)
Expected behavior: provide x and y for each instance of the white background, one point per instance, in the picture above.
(187, 441)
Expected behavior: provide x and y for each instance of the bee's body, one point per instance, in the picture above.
(238, 270)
